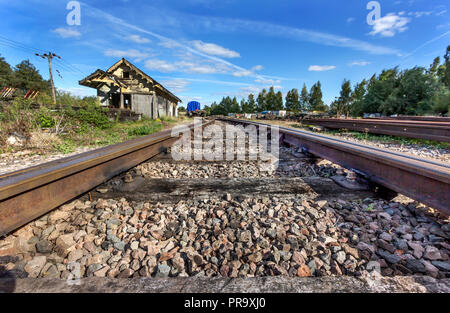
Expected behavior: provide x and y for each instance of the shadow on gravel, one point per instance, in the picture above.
(7, 281)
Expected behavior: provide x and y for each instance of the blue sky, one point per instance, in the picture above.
(204, 50)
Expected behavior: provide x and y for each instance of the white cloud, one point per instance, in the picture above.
(176, 85)
(185, 66)
(350, 19)
(132, 54)
(389, 25)
(160, 65)
(420, 14)
(169, 44)
(257, 68)
(443, 26)
(299, 34)
(138, 39)
(321, 68)
(245, 91)
(360, 63)
(268, 81)
(80, 91)
(213, 49)
(244, 73)
(67, 32)
(441, 12)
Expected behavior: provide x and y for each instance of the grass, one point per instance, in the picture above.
(118, 132)
(89, 127)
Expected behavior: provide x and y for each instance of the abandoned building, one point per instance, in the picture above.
(124, 86)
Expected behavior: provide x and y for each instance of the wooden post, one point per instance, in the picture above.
(51, 77)
(121, 100)
(50, 56)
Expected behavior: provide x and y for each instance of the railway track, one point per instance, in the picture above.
(149, 215)
(51, 184)
(420, 129)
(423, 180)
(413, 118)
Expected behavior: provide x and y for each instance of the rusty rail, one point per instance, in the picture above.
(413, 118)
(29, 193)
(423, 180)
(421, 129)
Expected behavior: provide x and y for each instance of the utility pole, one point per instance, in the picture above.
(50, 56)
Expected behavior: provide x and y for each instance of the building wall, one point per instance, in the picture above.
(144, 100)
(142, 104)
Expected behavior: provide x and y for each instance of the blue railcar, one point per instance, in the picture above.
(193, 106)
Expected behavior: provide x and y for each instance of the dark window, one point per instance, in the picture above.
(126, 75)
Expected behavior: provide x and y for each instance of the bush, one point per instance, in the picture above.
(18, 118)
(144, 130)
(167, 119)
(66, 147)
(90, 115)
(442, 103)
(45, 118)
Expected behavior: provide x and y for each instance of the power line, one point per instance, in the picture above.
(17, 45)
(10, 45)
(70, 66)
(20, 44)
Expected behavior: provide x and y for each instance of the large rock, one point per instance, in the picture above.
(415, 265)
(391, 258)
(65, 244)
(443, 266)
(432, 253)
(44, 246)
(58, 215)
(34, 267)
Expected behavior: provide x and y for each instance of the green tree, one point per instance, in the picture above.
(244, 106)
(235, 108)
(304, 99)
(379, 89)
(271, 100)
(412, 95)
(293, 100)
(345, 98)
(446, 72)
(315, 98)
(261, 100)
(27, 77)
(441, 101)
(227, 104)
(279, 101)
(357, 96)
(5, 73)
(207, 110)
(251, 104)
(434, 68)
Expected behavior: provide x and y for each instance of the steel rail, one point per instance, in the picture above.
(412, 118)
(30, 193)
(428, 130)
(423, 180)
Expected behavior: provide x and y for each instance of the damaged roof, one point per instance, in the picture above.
(99, 77)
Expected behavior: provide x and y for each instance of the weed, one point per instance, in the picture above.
(65, 147)
(144, 130)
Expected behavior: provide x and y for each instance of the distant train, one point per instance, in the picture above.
(194, 109)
